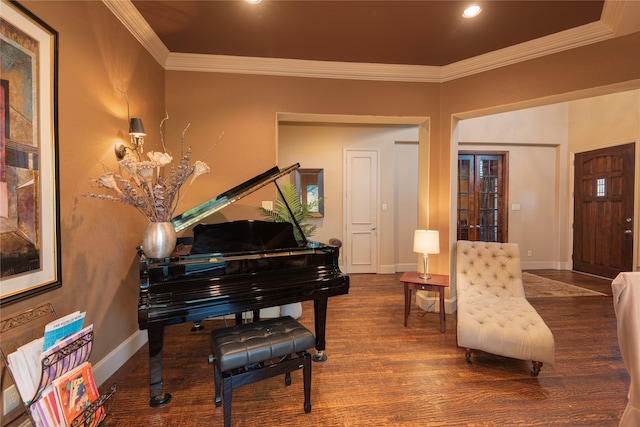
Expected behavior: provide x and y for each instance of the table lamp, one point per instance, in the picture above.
(426, 242)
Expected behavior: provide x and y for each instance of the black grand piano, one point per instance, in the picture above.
(234, 267)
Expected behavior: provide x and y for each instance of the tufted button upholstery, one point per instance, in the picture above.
(493, 313)
(250, 343)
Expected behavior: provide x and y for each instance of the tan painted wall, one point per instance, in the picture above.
(602, 68)
(96, 52)
(245, 109)
(607, 121)
(98, 238)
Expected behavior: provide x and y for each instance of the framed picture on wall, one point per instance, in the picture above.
(310, 186)
(29, 213)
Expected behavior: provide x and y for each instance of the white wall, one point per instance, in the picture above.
(541, 143)
(318, 145)
(536, 140)
(406, 203)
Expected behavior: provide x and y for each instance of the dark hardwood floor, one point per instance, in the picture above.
(380, 373)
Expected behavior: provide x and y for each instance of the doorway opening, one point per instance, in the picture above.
(482, 194)
(604, 191)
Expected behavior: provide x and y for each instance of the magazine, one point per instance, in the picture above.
(55, 364)
(62, 327)
(32, 375)
(75, 391)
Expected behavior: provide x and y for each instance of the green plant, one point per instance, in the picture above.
(301, 211)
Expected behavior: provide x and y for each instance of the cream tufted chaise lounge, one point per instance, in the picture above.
(493, 314)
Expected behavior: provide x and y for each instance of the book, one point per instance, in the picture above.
(62, 327)
(75, 391)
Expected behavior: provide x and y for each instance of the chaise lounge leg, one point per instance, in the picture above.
(535, 369)
(467, 355)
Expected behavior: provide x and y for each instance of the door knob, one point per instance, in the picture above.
(373, 228)
(628, 231)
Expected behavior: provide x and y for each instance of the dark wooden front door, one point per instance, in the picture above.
(603, 211)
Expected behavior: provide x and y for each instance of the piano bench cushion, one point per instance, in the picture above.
(250, 343)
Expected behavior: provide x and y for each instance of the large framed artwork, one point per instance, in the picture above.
(29, 213)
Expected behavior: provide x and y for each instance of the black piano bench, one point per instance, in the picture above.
(250, 352)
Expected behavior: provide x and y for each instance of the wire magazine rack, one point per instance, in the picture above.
(14, 333)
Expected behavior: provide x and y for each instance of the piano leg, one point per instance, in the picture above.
(320, 318)
(156, 340)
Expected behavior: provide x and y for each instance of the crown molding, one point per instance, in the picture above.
(543, 46)
(612, 13)
(126, 12)
(301, 68)
(554, 43)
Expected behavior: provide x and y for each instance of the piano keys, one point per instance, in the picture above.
(231, 268)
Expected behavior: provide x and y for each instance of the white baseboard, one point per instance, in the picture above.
(540, 265)
(108, 365)
(387, 269)
(401, 268)
(568, 265)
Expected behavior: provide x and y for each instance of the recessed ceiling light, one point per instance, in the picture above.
(471, 11)
(253, 1)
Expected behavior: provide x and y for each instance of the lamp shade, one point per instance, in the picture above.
(136, 128)
(426, 242)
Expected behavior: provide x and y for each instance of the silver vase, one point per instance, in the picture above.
(158, 239)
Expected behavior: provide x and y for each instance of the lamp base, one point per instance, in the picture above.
(425, 265)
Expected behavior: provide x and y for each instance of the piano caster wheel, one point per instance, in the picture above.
(197, 327)
(319, 356)
(161, 400)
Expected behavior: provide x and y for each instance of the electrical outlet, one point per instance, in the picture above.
(529, 252)
(10, 399)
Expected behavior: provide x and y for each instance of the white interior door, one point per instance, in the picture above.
(361, 214)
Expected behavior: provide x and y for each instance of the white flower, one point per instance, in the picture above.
(145, 170)
(200, 168)
(108, 180)
(131, 167)
(160, 159)
(156, 196)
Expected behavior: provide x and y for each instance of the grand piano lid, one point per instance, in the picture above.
(211, 206)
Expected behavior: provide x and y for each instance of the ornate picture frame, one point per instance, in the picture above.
(30, 253)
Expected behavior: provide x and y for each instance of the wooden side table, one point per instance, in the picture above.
(413, 282)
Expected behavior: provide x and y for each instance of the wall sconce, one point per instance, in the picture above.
(137, 133)
(426, 242)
